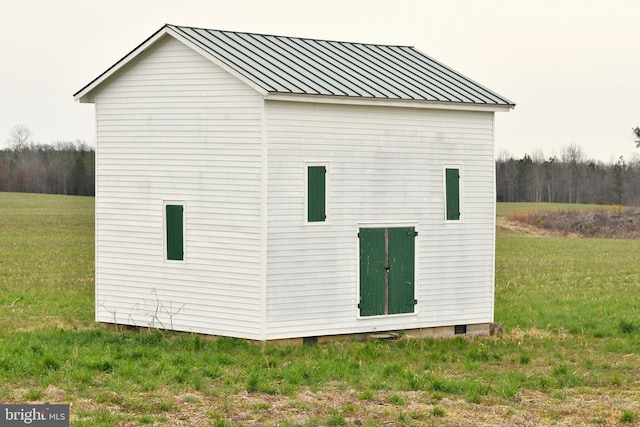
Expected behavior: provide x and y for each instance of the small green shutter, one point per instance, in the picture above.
(316, 193)
(453, 194)
(175, 240)
(372, 271)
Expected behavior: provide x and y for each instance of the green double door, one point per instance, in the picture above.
(387, 270)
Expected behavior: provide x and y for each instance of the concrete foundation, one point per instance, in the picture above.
(480, 329)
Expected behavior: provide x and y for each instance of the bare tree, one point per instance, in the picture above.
(572, 157)
(507, 175)
(569, 177)
(20, 138)
(538, 175)
(618, 179)
(66, 167)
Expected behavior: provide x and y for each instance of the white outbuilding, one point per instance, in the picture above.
(268, 187)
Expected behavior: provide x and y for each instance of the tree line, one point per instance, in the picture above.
(69, 168)
(568, 178)
(60, 168)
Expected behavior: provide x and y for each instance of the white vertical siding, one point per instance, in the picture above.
(174, 126)
(386, 167)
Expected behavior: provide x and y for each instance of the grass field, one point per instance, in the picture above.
(570, 354)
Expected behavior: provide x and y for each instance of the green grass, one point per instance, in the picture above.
(584, 286)
(628, 417)
(570, 309)
(46, 261)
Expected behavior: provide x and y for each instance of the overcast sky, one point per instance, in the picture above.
(571, 66)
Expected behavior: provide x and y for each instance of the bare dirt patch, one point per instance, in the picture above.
(343, 407)
(609, 222)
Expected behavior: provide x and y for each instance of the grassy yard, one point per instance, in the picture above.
(570, 354)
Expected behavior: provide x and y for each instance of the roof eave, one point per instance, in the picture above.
(408, 103)
(85, 95)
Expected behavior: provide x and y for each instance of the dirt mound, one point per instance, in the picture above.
(609, 222)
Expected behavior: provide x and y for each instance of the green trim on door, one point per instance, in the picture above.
(387, 271)
(401, 270)
(372, 271)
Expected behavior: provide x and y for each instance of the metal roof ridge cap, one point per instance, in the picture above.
(291, 37)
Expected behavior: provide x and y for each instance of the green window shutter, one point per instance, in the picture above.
(452, 177)
(316, 193)
(402, 255)
(372, 271)
(175, 228)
